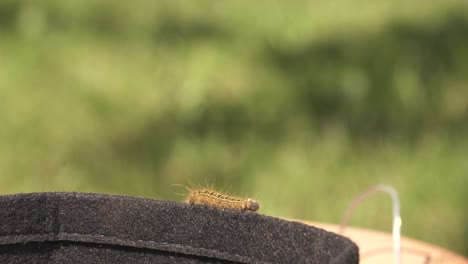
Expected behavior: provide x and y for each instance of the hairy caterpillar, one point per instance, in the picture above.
(212, 198)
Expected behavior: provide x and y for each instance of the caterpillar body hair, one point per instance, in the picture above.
(215, 199)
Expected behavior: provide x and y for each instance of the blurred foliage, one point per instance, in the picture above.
(301, 105)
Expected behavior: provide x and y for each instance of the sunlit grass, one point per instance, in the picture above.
(131, 100)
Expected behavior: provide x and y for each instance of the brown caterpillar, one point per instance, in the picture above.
(211, 198)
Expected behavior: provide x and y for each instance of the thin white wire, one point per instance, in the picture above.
(396, 228)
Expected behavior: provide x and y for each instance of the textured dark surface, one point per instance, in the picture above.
(94, 228)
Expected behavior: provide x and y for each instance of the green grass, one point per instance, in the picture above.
(302, 106)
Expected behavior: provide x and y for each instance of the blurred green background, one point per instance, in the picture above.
(301, 105)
